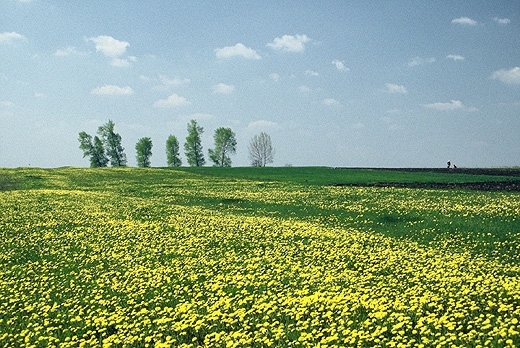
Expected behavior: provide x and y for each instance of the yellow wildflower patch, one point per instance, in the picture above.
(187, 262)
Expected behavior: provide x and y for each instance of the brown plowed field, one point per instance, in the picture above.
(508, 185)
(482, 186)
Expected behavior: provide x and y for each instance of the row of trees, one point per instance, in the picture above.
(106, 147)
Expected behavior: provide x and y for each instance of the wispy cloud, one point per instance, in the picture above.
(8, 38)
(416, 61)
(464, 21)
(112, 90)
(123, 62)
(274, 77)
(511, 76)
(176, 81)
(502, 21)
(395, 89)
(67, 51)
(222, 88)
(6, 103)
(451, 106)
(239, 50)
(311, 73)
(304, 89)
(331, 102)
(173, 100)
(454, 57)
(289, 43)
(358, 126)
(340, 65)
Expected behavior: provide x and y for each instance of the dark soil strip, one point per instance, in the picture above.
(514, 171)
(482, 186)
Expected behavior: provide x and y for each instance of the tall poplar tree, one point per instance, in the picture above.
(112, 142)
(172, 152)
(95, 150)
(143, 149)
(193, 145)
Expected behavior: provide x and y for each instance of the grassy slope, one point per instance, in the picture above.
(234, 190)
(91, 247)
(328, 176)
(33, 177)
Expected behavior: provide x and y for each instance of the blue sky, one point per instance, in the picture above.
(335, 83)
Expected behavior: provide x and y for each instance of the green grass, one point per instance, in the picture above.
(328, 175)
(255, 257)
(27, 178)
(311, 198)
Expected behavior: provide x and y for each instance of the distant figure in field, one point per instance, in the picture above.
(449, 164)
(454, 167)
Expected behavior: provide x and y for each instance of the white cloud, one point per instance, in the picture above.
(176, 81)
(8, 38)
(502, 21)
(173, 100)
(289, 43)
(511, 76)
(311, 73)
(464, 21)
(455, 57)
(222, 88)
(274, 77)
(112, 90)
(239, 50)
(263, 124)
(340, 65)
(397, 89)
(451, 106)
(331, 102)
(109, 46)
(416, 61)
(304, 89)
(114, 49)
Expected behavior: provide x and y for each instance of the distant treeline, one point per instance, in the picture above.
(105, 148)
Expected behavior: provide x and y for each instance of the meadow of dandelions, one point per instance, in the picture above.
(183, 261)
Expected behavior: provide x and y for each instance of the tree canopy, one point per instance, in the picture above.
(112, 142)
(172, 152)
(95, 150)
(225, 144)
(193, 145)
(144, 152)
